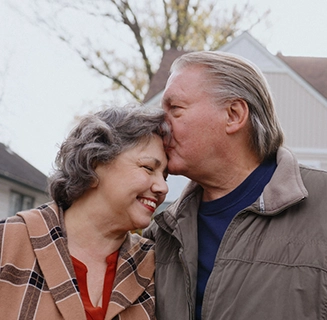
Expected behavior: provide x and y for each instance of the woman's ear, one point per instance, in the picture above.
(95, 183)
(238, 114)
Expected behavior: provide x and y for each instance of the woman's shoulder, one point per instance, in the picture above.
(136, 243)
(13, 224)
(137, 239)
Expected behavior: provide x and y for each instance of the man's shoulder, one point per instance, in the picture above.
(314, 175)
(315, 182)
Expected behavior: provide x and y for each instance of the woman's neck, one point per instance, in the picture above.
(88, 237)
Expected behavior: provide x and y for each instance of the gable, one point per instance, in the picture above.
(247, 47)
(15, 168)
(312, 69)
(306, 77)
(159, 80)
(309, 72)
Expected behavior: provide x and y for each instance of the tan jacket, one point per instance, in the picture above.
(37, 279)
(272, 261)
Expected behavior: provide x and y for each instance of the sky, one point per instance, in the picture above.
(46, 85)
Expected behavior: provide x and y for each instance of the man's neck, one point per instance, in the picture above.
(225, 180)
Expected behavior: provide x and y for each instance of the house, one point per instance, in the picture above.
(21, 185)
(299, 89)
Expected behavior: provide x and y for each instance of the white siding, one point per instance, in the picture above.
(303, 117)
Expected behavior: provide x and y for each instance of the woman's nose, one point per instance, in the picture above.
(160, 185)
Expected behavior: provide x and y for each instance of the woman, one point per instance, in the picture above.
(75, 258)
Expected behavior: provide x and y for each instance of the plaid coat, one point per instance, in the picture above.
(37, 278)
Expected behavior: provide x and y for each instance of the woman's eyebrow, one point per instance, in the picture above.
(155, 160)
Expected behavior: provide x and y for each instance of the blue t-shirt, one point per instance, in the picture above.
(215, 216)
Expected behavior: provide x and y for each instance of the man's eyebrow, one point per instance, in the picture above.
(170, 96)
(167, 100)
(174, 99)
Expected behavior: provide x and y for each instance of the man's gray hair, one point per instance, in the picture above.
(229, 78)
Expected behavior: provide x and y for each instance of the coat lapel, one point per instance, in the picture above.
(50, 248)
(134, 275)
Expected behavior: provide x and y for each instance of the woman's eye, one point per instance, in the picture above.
(148, 168)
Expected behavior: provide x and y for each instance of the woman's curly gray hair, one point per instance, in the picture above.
(100, 138)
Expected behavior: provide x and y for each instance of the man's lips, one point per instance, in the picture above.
(168, 148)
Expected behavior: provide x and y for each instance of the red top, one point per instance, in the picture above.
(96, 313)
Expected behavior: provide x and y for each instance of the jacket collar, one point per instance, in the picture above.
(284, 189)
(175, 217)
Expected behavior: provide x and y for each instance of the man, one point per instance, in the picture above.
(247, 239)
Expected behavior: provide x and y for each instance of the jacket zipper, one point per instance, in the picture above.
(225, 238)
(188, 294)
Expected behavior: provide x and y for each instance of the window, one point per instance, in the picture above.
(19, 202)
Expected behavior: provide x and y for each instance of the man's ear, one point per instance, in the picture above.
(238, 114)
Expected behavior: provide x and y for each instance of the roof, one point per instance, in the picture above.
(311, 69)
(159, 80)
(15, 168)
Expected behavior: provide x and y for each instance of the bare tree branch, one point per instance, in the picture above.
(151, 27)
(124, 8)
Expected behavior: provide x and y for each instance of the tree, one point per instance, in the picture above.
(145, 30)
